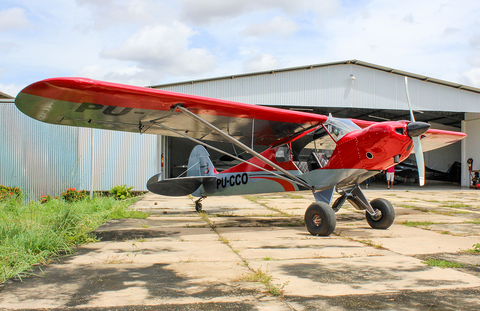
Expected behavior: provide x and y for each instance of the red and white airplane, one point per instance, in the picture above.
(361, 149)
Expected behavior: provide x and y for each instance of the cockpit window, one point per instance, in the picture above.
(337, 128)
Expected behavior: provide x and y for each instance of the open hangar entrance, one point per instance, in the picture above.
(355, 89)
(178, 149)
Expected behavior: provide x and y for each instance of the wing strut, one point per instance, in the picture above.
(242, 146)
(225, 153)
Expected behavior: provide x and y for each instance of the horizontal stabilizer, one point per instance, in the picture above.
(177, 186)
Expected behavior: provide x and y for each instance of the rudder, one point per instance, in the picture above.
(199, 163)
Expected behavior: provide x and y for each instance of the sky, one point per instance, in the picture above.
(150, 42)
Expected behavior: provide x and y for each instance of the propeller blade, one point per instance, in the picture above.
(412, 117)
(417, 146)
(415, 130)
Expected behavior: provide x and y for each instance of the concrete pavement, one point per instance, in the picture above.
(253, 253)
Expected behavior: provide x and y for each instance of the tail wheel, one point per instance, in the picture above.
(387, 216)
(198, 206)
(320, 219)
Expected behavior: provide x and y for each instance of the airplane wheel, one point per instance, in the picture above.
(388, 214)
(198, 206)
(320, 219)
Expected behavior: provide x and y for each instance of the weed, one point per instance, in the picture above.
(475, 221)
(121, 192)
(475, 248)
(294, 196)
(266, 279)
(113, 260)
(256, 199)
(371, 243)
(224, 240)
(455, 205)
(417, 223)
(442, 263)
(266, 258)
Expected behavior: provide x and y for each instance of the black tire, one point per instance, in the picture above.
(388, 214)
(320, 219)
(198, 207)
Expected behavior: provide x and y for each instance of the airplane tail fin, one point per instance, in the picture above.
(200, 171)
(199, 163)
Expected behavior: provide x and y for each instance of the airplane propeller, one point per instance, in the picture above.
(415, 130)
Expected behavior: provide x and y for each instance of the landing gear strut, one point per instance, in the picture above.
(320, 217)
(198, 205)
(380, 213)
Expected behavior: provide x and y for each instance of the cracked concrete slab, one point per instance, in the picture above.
(253, 253)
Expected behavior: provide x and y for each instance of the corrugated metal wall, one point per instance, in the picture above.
(332, 86)
(37, 158)
(119, 158)
(43, 158)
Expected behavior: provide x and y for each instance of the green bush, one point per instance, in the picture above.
(121, 192)
(7, 193)
(73, 195)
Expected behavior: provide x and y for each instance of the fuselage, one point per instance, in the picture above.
(358, 155)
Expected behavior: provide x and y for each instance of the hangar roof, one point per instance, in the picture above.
(5, 96)
(449, 118)
(346, 62)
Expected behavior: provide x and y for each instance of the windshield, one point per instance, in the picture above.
(337, 128)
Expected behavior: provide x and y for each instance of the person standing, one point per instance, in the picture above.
(390, 177)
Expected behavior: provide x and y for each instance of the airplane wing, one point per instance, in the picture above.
(432, 139)
(89, 103)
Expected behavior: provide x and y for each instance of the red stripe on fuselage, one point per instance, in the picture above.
(287, 186)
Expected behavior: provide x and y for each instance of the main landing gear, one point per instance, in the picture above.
(320, 218)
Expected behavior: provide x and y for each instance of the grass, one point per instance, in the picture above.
(371, 243)
(455, 205)
(426, 210)
(442, 263)
(32, 233)
(475, 248)
(424, 224)
(475, 221)
(257, 199)
(266, 279)
(294, 196)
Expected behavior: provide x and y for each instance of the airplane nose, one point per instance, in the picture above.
(415, 129)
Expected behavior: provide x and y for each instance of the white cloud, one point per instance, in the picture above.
(112, 13)
(262, 62)
(164, 48)
(278, 25)
(209, 11)
(152, 42)
(13, 18)
(10, 89)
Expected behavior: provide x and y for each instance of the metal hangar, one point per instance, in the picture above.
(350, 89)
